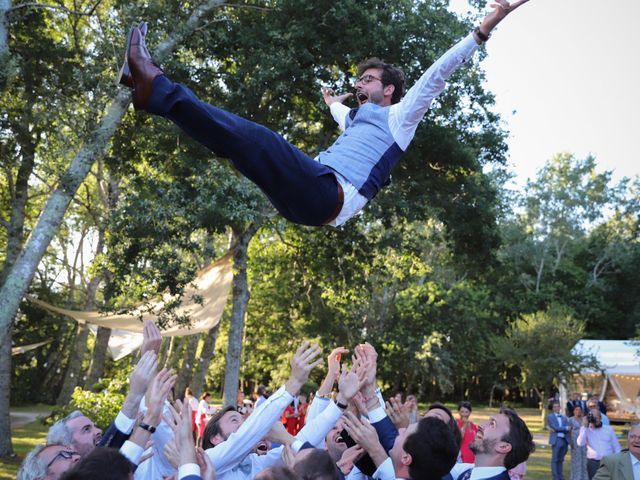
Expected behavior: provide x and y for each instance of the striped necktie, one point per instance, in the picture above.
(465, 475)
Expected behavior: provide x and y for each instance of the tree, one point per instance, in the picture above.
(539, 347)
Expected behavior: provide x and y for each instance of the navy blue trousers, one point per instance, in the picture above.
(302, 190)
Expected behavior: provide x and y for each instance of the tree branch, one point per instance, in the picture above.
(54, 7)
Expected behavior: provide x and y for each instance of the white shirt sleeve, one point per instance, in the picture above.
(339, 111)
(231, 452)
(385, 471)
(124, 423)
(317, 406)
(132, 451)
(188, 469)
(405, 116)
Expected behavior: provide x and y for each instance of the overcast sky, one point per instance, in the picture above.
(566, 75)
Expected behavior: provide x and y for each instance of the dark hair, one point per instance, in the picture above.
(390, 76)
(277, 473)
(453, 425)
(213, 426)
(433, 449)
(261, 390)
(520, 439)
(188, 391)
(204, 395)
(102, 463)
(318, 465)
(464, 404)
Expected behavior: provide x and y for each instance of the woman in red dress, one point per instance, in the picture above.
(290, 418)
(468, 431)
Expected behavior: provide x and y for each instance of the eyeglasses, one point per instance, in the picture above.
(65, 454)
(365, 79)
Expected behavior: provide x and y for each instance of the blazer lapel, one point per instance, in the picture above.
(625, 467)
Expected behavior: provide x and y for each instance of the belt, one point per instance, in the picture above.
(339, 204)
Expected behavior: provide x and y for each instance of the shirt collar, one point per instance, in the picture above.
(485, 472)
(634, 460)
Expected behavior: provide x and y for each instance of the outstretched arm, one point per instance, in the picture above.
(405, 116)
(339, 111)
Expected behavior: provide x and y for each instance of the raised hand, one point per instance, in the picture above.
(179, 421)
(207, 470)
(398, 412)
(157, 393)
(349, 457)
(303, 361)
(350, 382)
(501, 8)
(151, 338)
(329, 98)
(142, 374)
(366, 436)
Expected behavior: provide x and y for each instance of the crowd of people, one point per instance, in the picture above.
(586, 432)
(348, 431)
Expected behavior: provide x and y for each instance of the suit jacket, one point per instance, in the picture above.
(113, 437)
(555, 428)
(615, 467)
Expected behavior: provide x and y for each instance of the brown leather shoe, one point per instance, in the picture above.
(124, 75)
(142, 68)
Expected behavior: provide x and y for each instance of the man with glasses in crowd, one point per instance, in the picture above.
(341, 180)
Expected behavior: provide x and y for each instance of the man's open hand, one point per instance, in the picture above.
(304, 360)
(151, 338)
(330, 98)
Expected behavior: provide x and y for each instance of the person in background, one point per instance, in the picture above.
(468, 431)
(193, 403)
(204, 410)
(578, 453)
(559, 431)
(599, 439)
(412, 407)
(303, 406)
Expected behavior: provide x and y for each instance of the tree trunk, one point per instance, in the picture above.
(238, 311)
(176, 350)
(5, 55)
(6, 448)
(185, 373)
(99, 358)
(202, 364)
(74, 365)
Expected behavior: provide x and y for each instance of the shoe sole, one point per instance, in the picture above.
(124, 75)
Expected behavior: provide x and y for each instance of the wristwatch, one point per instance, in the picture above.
(147, 427)
(481, 35)
(341, 406)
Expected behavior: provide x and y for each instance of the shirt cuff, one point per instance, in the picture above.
(188, 469)
(377, 414)
(132, 451)
(385, 471)
(124, 423)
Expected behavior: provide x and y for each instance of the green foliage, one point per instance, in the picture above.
(540, 346)
(101, 407)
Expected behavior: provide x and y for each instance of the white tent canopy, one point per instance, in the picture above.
(204, 302)
(618, 385)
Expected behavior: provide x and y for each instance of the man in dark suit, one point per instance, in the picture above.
(558, 439)
(624, 465)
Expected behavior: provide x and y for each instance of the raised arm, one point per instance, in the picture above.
(339, 111)
(406, 115)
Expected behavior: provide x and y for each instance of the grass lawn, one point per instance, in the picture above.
(538, 466)
(24, 439)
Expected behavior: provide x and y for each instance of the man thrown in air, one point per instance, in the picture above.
(341, 180)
